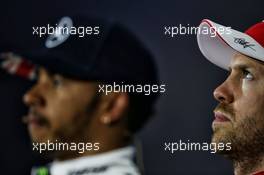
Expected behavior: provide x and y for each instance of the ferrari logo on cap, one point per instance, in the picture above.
(61, 33)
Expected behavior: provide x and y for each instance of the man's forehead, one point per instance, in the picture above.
(41, 71)
(45, 73)
(240, 60)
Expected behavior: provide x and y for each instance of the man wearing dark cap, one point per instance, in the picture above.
(239, 116)
(71, 118)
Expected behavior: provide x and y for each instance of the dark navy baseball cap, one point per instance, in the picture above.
(106, 53)
(89, 48)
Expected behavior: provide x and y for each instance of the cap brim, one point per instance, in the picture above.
(219, 43)
(58, 65)
(25, 65)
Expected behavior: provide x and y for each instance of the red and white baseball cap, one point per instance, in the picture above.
(219, 43)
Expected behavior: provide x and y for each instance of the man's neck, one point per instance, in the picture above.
(249, 166)
(108, 139)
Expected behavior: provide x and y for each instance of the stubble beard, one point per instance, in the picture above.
(247, 143)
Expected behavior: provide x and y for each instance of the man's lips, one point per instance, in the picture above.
(219, 117)
(34, 119)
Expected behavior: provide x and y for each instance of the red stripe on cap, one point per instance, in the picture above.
(25, 69)
(257, 32)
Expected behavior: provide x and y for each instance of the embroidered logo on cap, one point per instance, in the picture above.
(244, 43)
(61, 34)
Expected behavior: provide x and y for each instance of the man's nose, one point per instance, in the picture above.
(224, 93)
(34, 97)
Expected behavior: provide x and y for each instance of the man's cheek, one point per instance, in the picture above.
(59, 129)
(247, 108)
(242, 108)
(251, 94)
(246, 87)
(56, 118)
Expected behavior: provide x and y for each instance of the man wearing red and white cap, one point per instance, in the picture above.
(239, 116)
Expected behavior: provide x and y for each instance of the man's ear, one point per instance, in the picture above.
(115, 107)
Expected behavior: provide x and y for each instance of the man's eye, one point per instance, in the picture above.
(57, 81)
(247, 75)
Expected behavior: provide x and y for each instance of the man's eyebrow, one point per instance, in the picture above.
(51, 73)
(240, 66)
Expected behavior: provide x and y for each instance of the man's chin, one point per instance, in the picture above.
(39, 135)
(40, 138)
(222, 138)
